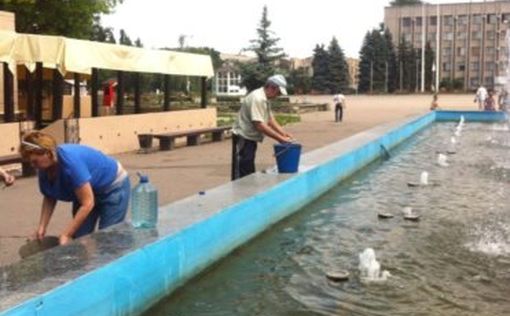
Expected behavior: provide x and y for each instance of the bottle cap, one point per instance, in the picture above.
(143, 178)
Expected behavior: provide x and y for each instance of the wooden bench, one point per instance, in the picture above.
(167, 140)
(26, 169)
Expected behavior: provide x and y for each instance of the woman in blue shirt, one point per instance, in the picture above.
(96, 184)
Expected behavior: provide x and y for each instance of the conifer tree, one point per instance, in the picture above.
(338, 72)
(320, 65)
(268, 53)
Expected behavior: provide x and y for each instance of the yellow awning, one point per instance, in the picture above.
(80, 56)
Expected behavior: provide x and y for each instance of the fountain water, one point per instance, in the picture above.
(370, 268)
(442, 160)
(424, 178)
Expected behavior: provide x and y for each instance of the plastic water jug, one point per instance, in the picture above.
(144, 204)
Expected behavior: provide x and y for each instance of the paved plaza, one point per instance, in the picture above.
(189, 170)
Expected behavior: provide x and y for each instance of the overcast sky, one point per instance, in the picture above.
(228, 25)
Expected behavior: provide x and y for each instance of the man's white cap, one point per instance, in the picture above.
(280, 82)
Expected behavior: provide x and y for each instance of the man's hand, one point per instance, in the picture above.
(285, 139)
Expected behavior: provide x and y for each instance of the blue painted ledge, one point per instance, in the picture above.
(123, 271)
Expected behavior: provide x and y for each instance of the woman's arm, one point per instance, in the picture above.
(86, 199)
(48, 205)
(6, 177)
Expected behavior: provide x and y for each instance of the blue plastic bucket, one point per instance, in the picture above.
(287, 157)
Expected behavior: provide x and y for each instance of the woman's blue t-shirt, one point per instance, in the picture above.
(77, 165)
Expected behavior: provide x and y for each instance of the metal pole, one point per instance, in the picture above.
(138, 107)
(77, 97)
(38, 94)
(386, 77)
(203, 96)
(438, 49)
(58, 95)
(371, 76)
(166, 88)
(423, 47)
(94, 87)
(8, 94)
(120, 93)
(401, 75)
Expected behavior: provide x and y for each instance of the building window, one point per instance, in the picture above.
(474, 82)
(489, 81)
(448, 20)
(461, 35)
(418, 21)
(475, 51)
(461, 67)
(477, 19)
(406, 22)
(491, 19)
(505, 17)
(475, 66)
(447, 66)
(462, 20)
(407, 37)
(447, 51)
(491, 35)
(448, 36)
(490, 66)
(433, 20)
(431, 37)
(476, 35)
(491, 51)
(461, 51)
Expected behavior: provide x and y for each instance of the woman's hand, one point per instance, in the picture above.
(6, 177)
(64, 239)
(39, 233)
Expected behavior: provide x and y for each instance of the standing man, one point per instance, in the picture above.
(339, 101)
(481, 95)
(254, 121)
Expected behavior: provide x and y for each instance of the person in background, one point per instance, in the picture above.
(7, 178)
(96, 184)
(504, 100)
(339, 101)
(435, 104)
(480, 96)
(489, 103)
(254, 121)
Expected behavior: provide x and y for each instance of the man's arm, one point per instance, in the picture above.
(270, 132)
(277, 127)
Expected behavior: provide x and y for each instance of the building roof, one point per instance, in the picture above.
(80, 56)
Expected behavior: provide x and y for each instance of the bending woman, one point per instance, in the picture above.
(96, 184)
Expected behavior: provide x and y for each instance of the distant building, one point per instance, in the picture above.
(472, 37)
(302, 63)
(228, 79)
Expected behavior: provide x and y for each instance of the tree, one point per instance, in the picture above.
(320, 66)
(398, 3)
(102, 34)
(268, 53)
(366, 56)
(124, 39)
(391, 58)
(76, 18)
(338, 72)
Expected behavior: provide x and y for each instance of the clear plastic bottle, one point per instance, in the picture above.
(144, 204)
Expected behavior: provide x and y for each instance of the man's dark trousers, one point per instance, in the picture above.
(339, 112)
(243, 156)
